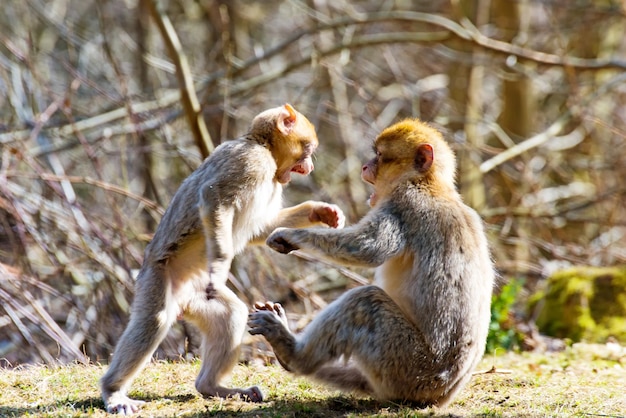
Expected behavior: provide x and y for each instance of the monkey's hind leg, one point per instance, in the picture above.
(364, 324)
(222, 323)
(345, 377)
(153, 313)
(270, 320)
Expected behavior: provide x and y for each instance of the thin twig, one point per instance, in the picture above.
(493, 370)
(466, 32)
(552, 131)
(93, 182)
(346, 272)
(193, 111)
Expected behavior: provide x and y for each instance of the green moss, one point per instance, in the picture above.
(583, 303)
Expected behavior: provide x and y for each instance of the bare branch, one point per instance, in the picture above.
(97, 183)
(193, 111)
(466, 32)
(357, 278)
(552, 130)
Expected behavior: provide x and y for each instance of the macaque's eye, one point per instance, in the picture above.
(377, 153)
(308, 149)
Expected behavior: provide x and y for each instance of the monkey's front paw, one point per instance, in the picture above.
(329, 214)
(269, 319)
(278, 241)
(122, 405)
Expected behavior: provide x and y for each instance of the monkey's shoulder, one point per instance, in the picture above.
(416, 212)
(235, 170)
(241, 149)
(237, 162)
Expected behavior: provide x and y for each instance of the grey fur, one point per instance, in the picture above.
(232, 199)
(417, 334)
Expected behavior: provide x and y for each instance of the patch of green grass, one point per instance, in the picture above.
(582, 381)
(502, 331)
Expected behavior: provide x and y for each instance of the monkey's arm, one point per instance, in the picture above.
(306, 214)
(376, 238)
(217, 224)
(310, 213)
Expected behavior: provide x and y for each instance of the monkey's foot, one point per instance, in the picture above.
(269, 319)
(122, 404)
(276, 309)
(251, 394)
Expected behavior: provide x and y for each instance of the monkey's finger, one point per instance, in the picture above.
(253, 324)
(129, 407)
(258, 323)
(278, 308)
(122, 405)
(329, 214)
(255, 331)
(252, 394)
(254, 318)
(261, 318)
(280, 244)
(341, 221)
(264, 306)
(338, 220)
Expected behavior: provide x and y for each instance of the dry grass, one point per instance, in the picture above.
(583, 381)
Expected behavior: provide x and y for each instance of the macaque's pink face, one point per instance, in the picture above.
(388, 165)
(399, 152)
(293, 150)
(368, 175)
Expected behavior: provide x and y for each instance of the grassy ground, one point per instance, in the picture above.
(587, 381)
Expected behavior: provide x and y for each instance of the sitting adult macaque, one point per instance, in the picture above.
(232, 199)
(417, 334)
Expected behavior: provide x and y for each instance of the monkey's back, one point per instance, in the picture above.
(452, 268)
(237, 168)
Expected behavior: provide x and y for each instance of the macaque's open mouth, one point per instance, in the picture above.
(303, 168)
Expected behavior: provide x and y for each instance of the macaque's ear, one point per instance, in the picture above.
(287, 119)
(424, 157)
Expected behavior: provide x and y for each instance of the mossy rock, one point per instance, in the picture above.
(583, 304)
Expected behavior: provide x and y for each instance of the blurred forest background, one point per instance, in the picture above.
(98, 127)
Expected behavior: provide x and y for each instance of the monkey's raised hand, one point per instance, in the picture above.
(279, 240)
(327, 213)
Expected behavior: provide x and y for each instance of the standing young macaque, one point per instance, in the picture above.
(419, 331)
(232, 199)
